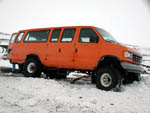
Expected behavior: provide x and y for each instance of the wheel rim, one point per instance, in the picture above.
(31, 67)
(106, 79)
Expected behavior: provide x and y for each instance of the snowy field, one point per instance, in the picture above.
(37, 95)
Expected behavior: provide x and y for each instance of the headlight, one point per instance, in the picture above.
(127, 54)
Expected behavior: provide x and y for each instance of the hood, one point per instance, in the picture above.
(131, 49)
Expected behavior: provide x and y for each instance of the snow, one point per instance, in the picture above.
(4, 63)
(37, 95)
(19, 94)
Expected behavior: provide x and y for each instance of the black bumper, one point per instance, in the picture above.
(129, 67)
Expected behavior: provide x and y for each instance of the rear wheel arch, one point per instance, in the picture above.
(34, 56)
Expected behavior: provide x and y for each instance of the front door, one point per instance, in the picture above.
(87, 49)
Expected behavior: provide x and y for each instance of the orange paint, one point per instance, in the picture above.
(70, 55)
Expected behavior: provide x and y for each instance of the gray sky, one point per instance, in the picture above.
(127, 20)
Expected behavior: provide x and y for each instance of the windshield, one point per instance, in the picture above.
(12, 38)
(106, 36)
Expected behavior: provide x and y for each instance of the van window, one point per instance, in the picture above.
(106, 36)
(68, 35)
(12, 38)
(37, 36)
(55, 35)
(19, 37)
(87, 35)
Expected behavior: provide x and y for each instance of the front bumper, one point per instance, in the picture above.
(129, 67)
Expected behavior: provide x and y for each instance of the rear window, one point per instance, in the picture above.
(19, 37)
(37, 36)
(12, 39)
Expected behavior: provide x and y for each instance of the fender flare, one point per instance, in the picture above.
(33, 56)
(113, 60)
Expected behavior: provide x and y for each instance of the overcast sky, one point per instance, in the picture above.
(127, 20)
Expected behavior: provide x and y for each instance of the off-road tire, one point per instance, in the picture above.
(131, 77)
(32, 68)
(108, 78)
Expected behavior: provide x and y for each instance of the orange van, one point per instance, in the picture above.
(58, 50)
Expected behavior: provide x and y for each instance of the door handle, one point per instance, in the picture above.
(76, 50)
(59, 50)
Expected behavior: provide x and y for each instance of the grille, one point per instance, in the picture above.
(136, 58)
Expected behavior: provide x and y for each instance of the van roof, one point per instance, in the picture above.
(53, 28)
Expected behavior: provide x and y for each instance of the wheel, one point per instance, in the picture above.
(32, 68)
(108, 78)
(131, 77)
(135, 76)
